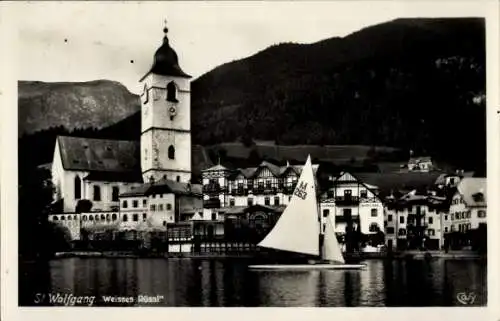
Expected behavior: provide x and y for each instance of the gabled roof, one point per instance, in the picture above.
(165, 187)
(103, 155)
(416, 160)
(470, 186)
(217, 167)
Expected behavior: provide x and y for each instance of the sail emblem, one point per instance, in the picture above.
(300, 191)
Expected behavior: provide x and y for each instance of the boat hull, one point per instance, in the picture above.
(307, 267)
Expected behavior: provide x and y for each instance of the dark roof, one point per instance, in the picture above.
(166, 61)
(129, 177)
(164, 187)
(399, 181)
(102, 155)
(137, 191)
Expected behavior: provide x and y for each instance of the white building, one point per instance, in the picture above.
(126, 184)
(468, 205)
(267, 184)
(412, 216)
(351, 198)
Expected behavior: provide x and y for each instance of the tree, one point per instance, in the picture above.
(83, 206)
(37, 237)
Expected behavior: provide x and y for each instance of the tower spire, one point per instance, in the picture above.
(165, 31)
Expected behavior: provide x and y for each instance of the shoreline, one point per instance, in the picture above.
(407, 255)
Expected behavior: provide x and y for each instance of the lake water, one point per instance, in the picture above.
(229, 283)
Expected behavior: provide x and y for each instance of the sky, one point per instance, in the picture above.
(82, 41)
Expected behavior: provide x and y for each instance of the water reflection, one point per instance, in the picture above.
(197, 282)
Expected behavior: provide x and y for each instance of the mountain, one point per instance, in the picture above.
(94, 104)
(410, 83)
(414, 84)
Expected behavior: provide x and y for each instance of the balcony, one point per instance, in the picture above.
(211, 203)
(214, 189)
(239, 192)
(347, 200)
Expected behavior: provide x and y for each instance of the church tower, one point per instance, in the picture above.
(166, 118)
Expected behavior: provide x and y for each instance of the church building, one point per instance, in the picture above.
(124, 185)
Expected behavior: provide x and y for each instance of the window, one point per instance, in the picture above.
(161, 196)
(103, 218)
(374, 227)
(231, 202)
(446, 217)
(144, 203)
(214, 216)
(481, 214)
(363, 193)
(83, 218)
(276, 201)
(250, 201)
(267, 201)
(171, 152)
(446, 230)
(401, 219)
(326, 213)
(165, 177)
(91, 218)
(389, 218)
(374, 212)
(430, 220)
(169, 207)
(78, 188)
(135, 204)
(178, 178)
(402, 231)
(171, 92)
(431, 232)
(160, 207)
(75, 217)
(62, 218)
(135, 217)
(144, 217)
(164, 223)
(115, 192)
(125, 218)
(124, 204)
(69, 217)
(97, 217)
(97, 193)
(268, 183)
(113, 217)
(347, 193)
(390, 230)
(153, 207)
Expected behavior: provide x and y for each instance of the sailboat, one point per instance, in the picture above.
(298, 231)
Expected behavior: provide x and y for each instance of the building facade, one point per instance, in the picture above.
(468, 205)
(350, 200)
(118, 185)
(166, 119)
(415, 221)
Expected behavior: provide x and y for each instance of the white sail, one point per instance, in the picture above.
(297, 230)
(331, 247)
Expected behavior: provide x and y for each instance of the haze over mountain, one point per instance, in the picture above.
(410, 83)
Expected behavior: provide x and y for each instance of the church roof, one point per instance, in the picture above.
(99, 155)
(166, 61)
